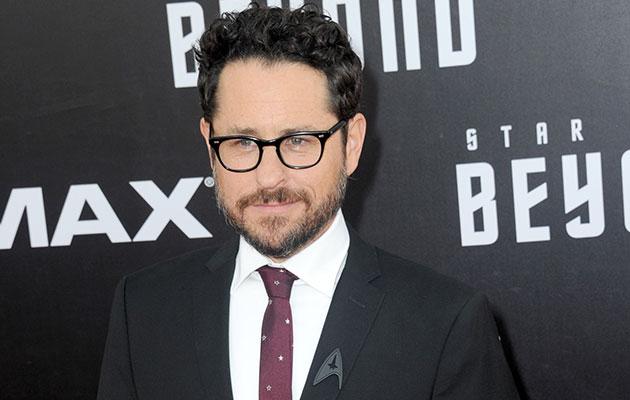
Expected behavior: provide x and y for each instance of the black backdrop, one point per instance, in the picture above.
(89, 104)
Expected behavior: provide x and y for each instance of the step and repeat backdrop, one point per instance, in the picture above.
(498, 152)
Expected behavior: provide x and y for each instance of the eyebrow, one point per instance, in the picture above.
(247, 131)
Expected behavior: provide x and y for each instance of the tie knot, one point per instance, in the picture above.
(278, 281)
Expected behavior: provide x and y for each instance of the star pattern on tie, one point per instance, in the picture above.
(276, 346)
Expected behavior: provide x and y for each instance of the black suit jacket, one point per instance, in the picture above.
(403, 331)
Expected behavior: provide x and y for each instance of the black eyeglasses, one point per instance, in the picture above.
(296, 150)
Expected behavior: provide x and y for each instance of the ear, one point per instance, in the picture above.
(354, 143)
(204, 128)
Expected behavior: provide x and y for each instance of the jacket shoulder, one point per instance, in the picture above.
(176, 271)
(402, 268)
(414, 283)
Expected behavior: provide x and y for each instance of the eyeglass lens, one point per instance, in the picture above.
(295, 151)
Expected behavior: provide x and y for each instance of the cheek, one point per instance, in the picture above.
(230, 186)
(335, 153)
(317, 181)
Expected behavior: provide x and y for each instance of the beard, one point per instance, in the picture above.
(277, 236)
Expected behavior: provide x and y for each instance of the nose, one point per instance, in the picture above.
(270, 173)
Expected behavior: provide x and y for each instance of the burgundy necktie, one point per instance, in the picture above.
(276, 346)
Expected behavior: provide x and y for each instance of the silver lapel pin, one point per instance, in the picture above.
(331, 366)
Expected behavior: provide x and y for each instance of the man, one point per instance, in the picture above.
(300, 307)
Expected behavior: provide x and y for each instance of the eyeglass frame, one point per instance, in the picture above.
(323, 136)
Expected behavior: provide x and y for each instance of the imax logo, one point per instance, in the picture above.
(165, 209)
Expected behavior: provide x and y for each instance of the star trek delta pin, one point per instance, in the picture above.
(331, 366)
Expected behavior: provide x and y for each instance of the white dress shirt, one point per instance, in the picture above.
(318, 268)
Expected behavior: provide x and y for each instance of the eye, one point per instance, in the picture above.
(297, 141)
(244, 143)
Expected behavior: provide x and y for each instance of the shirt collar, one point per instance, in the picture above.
(319, 265)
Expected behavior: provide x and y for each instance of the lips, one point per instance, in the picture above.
(274, 206)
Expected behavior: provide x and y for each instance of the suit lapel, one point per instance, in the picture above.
(211, 306)
(354, 306)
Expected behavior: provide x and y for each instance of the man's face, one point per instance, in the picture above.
(277, 209)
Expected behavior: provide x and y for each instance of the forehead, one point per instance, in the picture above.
(271, 97)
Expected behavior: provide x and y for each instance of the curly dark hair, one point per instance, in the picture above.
(272, 34)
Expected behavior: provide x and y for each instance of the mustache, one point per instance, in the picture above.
(280, 195)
